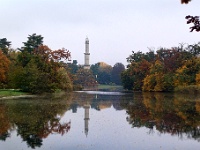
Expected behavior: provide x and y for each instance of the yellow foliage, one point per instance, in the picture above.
(197, 78)
(104, 67)
(159, 82)
(197, 107)
(181, 69)
(4, 66)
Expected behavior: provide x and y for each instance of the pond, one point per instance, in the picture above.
(101, 120)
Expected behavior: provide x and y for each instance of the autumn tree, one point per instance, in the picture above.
(4, 67)
(85, 78)
(133, 76)
(154, 81)
(186, 75)
(39, 69)
(165, 113)
(163, 71)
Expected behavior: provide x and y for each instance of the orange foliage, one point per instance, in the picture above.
(4, 123)
(198, 106)
(55, 127)
(47, 54)
(197, 78)
(4, 65)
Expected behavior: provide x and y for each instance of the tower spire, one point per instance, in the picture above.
(87, 54)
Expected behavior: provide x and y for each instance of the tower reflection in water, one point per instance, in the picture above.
(86, 119)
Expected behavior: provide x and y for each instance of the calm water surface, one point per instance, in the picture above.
(101, 121)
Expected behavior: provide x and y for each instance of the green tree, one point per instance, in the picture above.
(127, 80)
(39, 68)
(64, 80)
(30, 48)
(73, 67)
(118, 68)
(33, 43)
(138, 56)
(186, 75)
(4, 45)
(102, 71)
(95, 69)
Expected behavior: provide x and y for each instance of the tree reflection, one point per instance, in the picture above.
(167, 113)
(4, 136)
(34, 120)
(4, 123)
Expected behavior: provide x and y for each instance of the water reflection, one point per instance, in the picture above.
(36, 119)
(168, 113)
(171, 114)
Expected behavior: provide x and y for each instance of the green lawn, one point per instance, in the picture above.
(110, 87)
(7, 92)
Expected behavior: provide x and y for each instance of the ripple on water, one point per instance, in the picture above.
(101, 92)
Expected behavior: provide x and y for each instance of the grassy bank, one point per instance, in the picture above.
(110, 87)
(10, 92)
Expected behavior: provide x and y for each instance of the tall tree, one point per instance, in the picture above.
(4, 45)
(30, 47)
(33, 42)
(39, 68)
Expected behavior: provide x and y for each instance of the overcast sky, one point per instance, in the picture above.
(114, 27)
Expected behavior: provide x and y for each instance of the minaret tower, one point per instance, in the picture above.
(87, 54)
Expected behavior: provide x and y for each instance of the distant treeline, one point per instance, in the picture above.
(163, 70)
(36, 68)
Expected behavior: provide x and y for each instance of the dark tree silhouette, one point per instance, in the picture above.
(192, 19)
(195, 21)
(118, 68)
(4, 45)
(185, 1)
